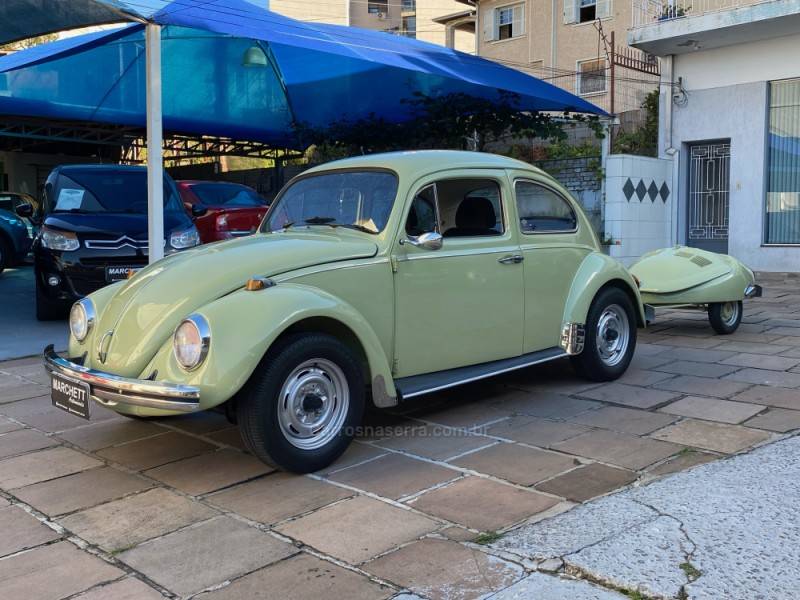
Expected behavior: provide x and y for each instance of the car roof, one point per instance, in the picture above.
(136, 168)
(420, 161)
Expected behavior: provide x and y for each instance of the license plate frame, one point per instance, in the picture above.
(70, 395)
(116, 273)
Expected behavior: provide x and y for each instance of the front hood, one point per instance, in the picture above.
(148, 308)
(113, 225)
(680, 268)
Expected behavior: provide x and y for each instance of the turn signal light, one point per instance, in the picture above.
(255, 284)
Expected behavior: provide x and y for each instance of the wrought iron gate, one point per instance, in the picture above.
(709, 196)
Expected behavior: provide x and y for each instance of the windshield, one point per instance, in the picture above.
(112, 191)
(227, 194)
(358, 199)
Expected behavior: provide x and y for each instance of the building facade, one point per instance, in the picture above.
(413, 18)
(730, 123)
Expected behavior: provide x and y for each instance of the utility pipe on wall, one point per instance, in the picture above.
(155, 162)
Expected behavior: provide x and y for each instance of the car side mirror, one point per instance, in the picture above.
(198, 210)
(430, 240)
(24, 210)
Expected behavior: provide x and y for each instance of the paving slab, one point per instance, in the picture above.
(696, 355)
(53, 572)
(209, 472)
(770, 396)
(203, 422)
(681, 462)
(516, 463)
(766, 377)
(761, 361)
(206, 554)
(703, 386)
(619, 449)
(110, 433)
(643, 377)
(587, 481)
(690, 342)
(278, 496)
(301, 577)
(712, 409)
(536, 431)
(356, 453)
(471, 414)
(751, 348)
(358, 529)
(395, 476)
(81, 490)
(21, 531)
(155, 451)
(122, 524)
(697, 369)
(7, 425)
(53, 420)
(21, 391)
(717, 437)
(22, 441)
(780, 420)
(43, 465)
(550, 405)
(228, 437)
(539, 586)
(445, 570)
(129, 588)
(629, 395)
(437, 443)
(625, 420)
(482, 504)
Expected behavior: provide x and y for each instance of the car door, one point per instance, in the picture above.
(461, 304)
(554, 248)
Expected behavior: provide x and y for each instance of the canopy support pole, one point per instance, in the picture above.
(155, 159)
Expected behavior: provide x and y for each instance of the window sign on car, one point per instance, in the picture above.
(69, 199)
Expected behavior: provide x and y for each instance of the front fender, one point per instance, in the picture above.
(596, 271)
(245, 324)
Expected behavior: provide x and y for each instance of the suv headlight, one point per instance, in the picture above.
(81, 319)
(185, 238)
(191, 341)
(65, 241)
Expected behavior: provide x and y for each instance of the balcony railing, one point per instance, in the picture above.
(650, 12)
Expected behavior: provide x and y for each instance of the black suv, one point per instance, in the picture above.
(94, 231)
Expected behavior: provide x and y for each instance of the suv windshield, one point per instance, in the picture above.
(227, 194)
(358, 199)
(113, 191)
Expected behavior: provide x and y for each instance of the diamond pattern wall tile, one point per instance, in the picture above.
(628, 189)
(641, 190)
(652, 191)
(664, 192)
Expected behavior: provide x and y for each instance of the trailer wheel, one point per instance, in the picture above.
(725, 316)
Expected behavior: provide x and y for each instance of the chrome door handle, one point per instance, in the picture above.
(512, 259)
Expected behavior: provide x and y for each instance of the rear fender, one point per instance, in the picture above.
(597, 271)
(245, 324)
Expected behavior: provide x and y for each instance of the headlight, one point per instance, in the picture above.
(59, 240)
(16, 222)
(185, 238)
(81, 319)
(191, 341)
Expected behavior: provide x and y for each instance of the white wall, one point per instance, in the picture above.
(727, 91)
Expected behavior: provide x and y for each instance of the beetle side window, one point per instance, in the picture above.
(543, 210)
(470, 207)
(422, 215)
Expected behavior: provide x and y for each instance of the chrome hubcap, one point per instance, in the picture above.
(729, 312)
(613, 335)
(313, 404)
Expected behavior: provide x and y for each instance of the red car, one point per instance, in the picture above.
(222, 210)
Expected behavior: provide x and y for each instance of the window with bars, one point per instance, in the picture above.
(591, 76)
(782, 224)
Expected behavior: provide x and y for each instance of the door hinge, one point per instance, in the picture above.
(394, 264)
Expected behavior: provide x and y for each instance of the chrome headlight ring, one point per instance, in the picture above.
(82, 318)
(191, 342)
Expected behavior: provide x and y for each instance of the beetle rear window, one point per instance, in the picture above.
(542, 210)
(358, 199)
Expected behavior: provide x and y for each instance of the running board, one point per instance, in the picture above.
(416, 385)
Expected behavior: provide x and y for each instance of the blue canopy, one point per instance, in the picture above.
(231, 68)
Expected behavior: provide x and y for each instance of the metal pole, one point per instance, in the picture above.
(612, 107)
(155, 163)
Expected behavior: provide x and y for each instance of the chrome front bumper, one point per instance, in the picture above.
(113, 390)
(753, 291)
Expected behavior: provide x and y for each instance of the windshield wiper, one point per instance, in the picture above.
(320, 221)
(358, 227)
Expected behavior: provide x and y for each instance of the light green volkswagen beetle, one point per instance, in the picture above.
(378, 278)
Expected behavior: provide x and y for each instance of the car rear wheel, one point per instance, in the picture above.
(610, 337)
(46, 309)
(725, 316)
(302, 403)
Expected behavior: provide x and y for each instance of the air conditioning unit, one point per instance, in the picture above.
(382, 16)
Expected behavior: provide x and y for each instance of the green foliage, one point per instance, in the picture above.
(30, 42)
(691, 571)
(453, 121)
(563, 149)
(487, 537)
(643, 141)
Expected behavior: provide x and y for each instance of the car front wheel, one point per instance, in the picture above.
(303, 402)
(610, 337)
(725, 316)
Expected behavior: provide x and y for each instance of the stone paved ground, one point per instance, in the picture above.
(130, 509)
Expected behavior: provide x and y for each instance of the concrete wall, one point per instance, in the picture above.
(726, 98)
(26, 171)
(636, 220)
